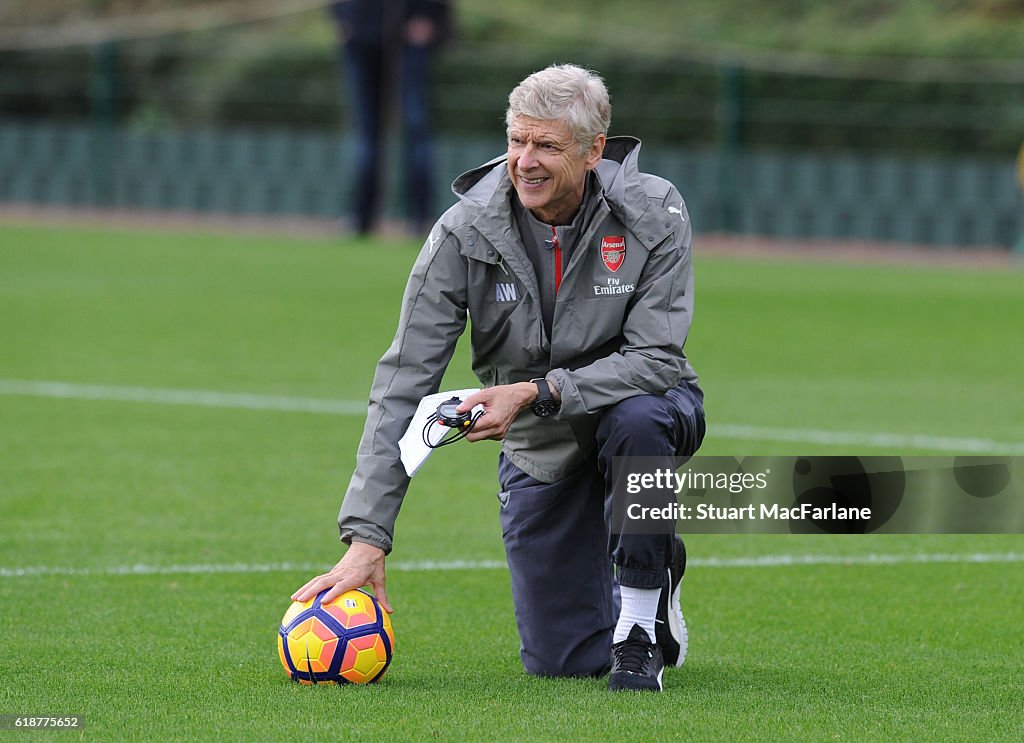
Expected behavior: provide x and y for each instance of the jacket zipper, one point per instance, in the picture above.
(558, 259)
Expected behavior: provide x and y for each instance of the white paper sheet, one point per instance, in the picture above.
(414, 451)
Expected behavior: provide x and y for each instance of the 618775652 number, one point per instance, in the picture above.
(37, 722)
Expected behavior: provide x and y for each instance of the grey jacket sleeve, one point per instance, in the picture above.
(432, 318)
(650, 359)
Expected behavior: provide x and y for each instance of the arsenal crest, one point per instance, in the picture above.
(613, 250)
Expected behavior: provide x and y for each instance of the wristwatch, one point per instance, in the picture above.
(545, 405)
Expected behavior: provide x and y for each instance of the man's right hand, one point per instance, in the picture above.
(362, 565)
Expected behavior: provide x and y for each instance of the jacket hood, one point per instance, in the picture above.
(618, 172)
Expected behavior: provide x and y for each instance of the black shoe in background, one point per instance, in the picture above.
(669, 625)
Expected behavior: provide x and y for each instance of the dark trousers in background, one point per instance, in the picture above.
(558, 537)
(372, 73)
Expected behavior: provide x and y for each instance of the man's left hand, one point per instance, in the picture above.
(502, 404)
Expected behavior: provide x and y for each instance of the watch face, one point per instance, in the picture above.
(447, 410)
(544, 408)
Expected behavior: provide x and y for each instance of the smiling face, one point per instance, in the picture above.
(546, 168)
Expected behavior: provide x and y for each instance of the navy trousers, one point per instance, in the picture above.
(558, 536)
(369, 69)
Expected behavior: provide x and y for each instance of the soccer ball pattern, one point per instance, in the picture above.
(347, 641)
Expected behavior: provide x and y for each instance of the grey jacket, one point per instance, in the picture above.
(619, 326)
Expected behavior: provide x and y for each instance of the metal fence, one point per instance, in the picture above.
(925, 199)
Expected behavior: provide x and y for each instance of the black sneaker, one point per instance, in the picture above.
(637, 664)
(669, 625)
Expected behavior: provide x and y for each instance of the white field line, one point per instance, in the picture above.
(201, 398)
(764, 561)
(322, 406)
(877, 439)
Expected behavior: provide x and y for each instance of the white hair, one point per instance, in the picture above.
(568, 93)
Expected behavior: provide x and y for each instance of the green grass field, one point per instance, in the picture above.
(148, 549)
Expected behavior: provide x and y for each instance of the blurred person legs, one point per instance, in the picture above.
(418, 142)
(365, 70)
(388, 49)
(1019, 247)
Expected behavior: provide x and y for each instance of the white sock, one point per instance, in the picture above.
(639, 606)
